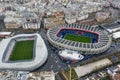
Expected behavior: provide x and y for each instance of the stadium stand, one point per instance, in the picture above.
(38, 60)
(101, 40)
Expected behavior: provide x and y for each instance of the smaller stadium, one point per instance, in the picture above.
(23, 52)
(80, 37)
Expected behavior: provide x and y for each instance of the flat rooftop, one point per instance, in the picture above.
(111, 26)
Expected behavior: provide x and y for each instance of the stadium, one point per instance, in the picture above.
(79, 37)
(23, 52)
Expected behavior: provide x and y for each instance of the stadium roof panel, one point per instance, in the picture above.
(116, 35)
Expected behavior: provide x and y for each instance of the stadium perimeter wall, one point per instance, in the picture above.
(38, 61)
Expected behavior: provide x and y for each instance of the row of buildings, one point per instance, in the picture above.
(73, 11)
(111, 73)
(113, 29)
(25, 75)
(17, 16)
(51, 12)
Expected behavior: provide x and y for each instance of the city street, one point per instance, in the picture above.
(53, 63)
(2, 25)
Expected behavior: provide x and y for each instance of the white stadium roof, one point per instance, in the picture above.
(113, 30)
(39, 59)
(116, 35)
(71, 54)
(5, 33)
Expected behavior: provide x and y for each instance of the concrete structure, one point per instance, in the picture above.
(116, 35)
(46, 75)
(116, 4)
(91, 8)
(70, 18)
(116, 76)
(73, 10)
(2, 8)
(87, 48)
(101, 16)
(82, 15)
(73, 56)
(31, 25)
(7, 45)
(13, 23)
(64, 2)
(111, 28)
(5, 34)
(53, 21)
(88, 21)
(13, 75)
(85, 69)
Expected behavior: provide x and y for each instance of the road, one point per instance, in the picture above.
(53, 63)
(2, 25)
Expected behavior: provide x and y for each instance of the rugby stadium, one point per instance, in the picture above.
(23, 52)
(79, 37)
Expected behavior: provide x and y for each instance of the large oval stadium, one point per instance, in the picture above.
(79, 37)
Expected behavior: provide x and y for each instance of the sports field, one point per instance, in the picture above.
(23, 50)
(76, 38)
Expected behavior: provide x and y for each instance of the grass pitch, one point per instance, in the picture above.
(23, 50)
(76, 38)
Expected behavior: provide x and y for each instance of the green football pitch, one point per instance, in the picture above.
(23, 50)
(76, 38)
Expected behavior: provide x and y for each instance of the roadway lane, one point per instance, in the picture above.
(54, 62)
(2, 25)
